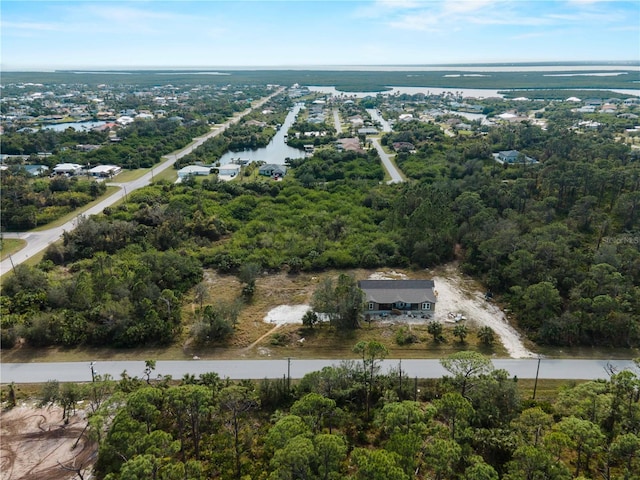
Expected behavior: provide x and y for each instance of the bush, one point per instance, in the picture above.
(404, 336)
(279, 339)
(8, 338)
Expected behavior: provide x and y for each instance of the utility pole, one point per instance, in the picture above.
(535, 384)
(289, 374)
(13, 267)
(400, 374)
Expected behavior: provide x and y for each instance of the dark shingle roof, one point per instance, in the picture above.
(391, 291)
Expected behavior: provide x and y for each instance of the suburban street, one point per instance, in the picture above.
(38, 241)
(386, 161)
(259, 369)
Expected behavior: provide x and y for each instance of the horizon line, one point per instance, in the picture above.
(107, 68)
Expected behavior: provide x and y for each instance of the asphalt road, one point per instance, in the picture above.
(386, 161)
(259, 369)
(38, 241)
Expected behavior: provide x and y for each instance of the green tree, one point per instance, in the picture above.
(531, 463)
(331, 452)
(441, 456)
(626, 450)
(486, 335)
(377, 465)
(466, 367)
(454, 410)
(341, 302)
(294, 460)
(235, 403)
(309, 319)
(372, 354)
(541, 302)
(585, 438)
(314, 409)
(435, 329)
(286, 428)
(461, 331)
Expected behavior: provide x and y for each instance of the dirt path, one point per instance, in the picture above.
(262, 337)
(457, 295)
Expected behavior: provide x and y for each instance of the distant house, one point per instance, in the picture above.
(256, 123)
(67, 169)
(367, 131)
(194, 170)
(105, 171)
(350, 144)
(272, 170)
(229, 170)
(87, 147)
(513, 157)
(403, 146)
(406, 296)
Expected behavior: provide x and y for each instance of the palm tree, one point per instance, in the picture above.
(486, 335)
(461, 331)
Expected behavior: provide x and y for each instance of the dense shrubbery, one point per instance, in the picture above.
(556, 240)
(29, 202)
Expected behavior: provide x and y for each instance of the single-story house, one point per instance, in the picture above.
(105, 171)
(512, 157)
(350, 144)
(194, 170)
(407, 296)
(272, 170)
(230, 169)
(403, 146)
(67, 169)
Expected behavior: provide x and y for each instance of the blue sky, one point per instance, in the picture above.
(76, 34)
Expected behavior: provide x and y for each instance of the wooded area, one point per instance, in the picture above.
(354, 422)
(554, 241)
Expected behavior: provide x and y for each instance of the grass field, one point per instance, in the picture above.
(11, 246)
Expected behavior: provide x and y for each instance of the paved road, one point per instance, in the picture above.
(336, 121)
(38, 241)
(375, 115)
(259, 369)
(386, 161)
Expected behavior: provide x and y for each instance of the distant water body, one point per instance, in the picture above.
(277, 151)
(465, 92)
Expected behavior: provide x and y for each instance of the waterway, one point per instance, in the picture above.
(276, 151)
(464, 92)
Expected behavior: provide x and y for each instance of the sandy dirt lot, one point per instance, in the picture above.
(457, 296)
(35, 441)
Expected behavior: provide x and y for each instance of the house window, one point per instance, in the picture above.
(372, 306)
(426, 306)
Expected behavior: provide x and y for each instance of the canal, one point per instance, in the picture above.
(276, 151)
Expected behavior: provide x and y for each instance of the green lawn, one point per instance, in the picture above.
(11, 246)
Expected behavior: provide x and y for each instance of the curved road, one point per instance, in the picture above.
(259, 369)
(38, 241)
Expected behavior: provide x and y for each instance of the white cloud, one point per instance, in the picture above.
(453, 7)
(29, 28)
